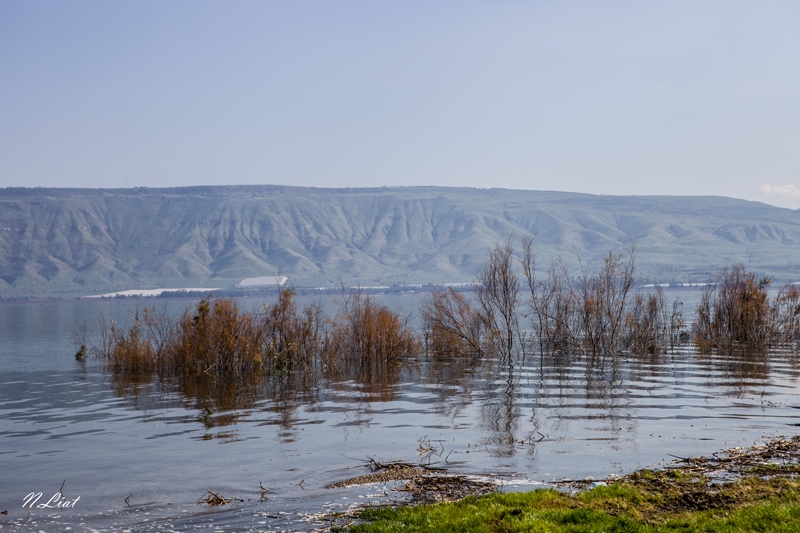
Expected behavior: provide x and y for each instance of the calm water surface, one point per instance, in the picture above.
(162, 445)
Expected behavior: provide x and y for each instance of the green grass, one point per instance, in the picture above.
(648, 501)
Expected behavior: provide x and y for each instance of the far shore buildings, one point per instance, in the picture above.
(265, 281)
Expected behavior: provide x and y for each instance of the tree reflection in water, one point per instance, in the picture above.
(543, 398)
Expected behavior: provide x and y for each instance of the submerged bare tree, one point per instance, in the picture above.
(602, 301)
(450, 326)
(592, 313)
(551, 303)
(589, 313)
(497, 297)
(650, 325)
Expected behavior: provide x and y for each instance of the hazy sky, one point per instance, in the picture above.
(618, 97)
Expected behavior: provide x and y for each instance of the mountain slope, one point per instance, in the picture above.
(90, 240)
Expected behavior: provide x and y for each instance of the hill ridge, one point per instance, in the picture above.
(84, 240)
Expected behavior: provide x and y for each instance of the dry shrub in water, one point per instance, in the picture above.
(129, 350)
(734, 312)
(649, 326)
(786, 313)
(450, 325)
(366, 343)
(367, 331)
(215, 337)
(289, 337)
(453, 327)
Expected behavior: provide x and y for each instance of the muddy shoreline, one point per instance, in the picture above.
(686, 484)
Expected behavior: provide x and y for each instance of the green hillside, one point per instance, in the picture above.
(89, 240)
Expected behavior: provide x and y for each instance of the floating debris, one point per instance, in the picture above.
(425, 484)
(434, 489)
(212, 498)
(778, 456)
(384, 473)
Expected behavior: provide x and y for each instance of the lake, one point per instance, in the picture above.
(137, 456)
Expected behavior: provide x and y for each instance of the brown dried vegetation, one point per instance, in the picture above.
(217, 337)
(450, 326)
(651, 326)
(367, 341)
(364, 329)
(736, 312)
(786, 313)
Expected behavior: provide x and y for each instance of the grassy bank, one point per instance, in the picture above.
(762, 494)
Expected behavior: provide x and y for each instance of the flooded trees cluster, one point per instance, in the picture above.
(217, 337)
(559, 311)
(514, 308)
(600, 313)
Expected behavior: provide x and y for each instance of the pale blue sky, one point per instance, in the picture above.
(617, 97)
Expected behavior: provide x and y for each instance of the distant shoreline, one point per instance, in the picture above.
(150, 293)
